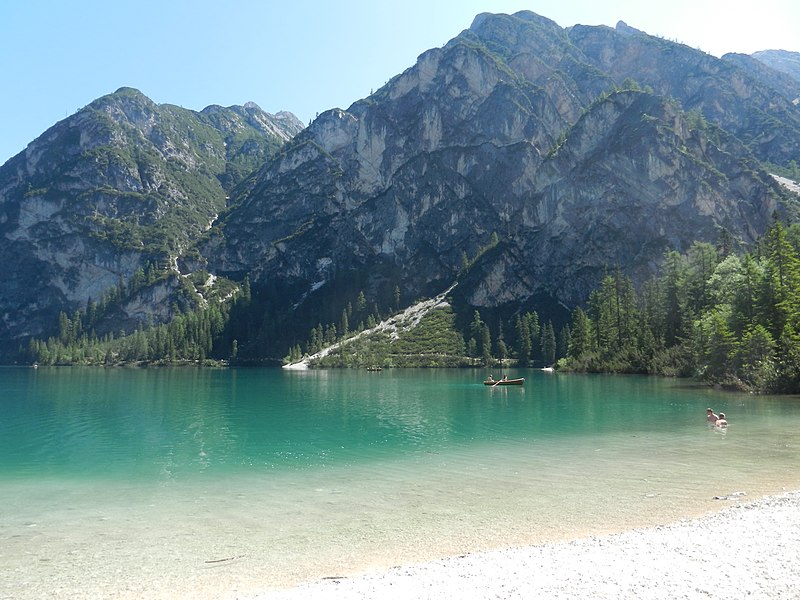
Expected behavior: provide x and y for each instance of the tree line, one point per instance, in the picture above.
(188, 337)
(729, 319)
(196, 333)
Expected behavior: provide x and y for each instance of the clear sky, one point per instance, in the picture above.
(305, 56)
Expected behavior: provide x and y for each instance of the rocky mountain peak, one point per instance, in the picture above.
(121, 184)
(522, 159)
(781, 60)
(548, 138)
(624, 28)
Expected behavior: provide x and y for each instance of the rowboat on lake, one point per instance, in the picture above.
(504, 381)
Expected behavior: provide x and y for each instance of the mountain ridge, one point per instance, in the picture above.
(521, 158)
(119, 185)
(482, 136)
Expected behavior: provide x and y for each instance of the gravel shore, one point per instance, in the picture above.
(751, 549)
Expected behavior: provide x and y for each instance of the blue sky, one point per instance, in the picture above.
(305, 56)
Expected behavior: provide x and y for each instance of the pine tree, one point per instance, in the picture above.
(523, 340)
(548, 343)
(702, 260)
(720, 345)
(563, 341)
(782, 289)
(580, 341)
(486, 344)
(677, 319)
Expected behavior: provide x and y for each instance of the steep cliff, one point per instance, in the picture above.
(525, 130)
(122, 183)
(521, 159)
(758, 114)
(782, 61)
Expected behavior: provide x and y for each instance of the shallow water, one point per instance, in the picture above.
(207, 483)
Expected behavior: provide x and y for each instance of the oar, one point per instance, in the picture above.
(498, 381)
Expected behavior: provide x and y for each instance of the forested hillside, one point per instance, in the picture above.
(730, 319)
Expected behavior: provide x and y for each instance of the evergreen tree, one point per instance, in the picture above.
(563, 341)
(782, 283)
(719, 346)
(548, 343)
(533, 326)
(502, 349)
(486, 344)
(614, 313)
(754, 358)
(580, 341)
(64, 328)
(361, 303)
(677, 319)
(476, 333)
(724, 244)
(701, 262)
(246, 291)
(523, 340)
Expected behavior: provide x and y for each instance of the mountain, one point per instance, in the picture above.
(122, 184)
(786, 85)
(782, 61)
(758, 114)
(521, 158)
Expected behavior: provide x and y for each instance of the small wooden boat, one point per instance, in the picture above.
(375, 369)
(494, 382)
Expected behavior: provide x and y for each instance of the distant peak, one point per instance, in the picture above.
(623, 27)
(252, 106)
(128, 91)
(523, 15)
(124, 95)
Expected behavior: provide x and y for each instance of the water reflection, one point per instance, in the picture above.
(171, 423)
(114, 473)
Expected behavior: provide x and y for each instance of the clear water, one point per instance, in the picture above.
(212, 483)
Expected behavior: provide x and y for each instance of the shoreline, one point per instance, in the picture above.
(748, 549)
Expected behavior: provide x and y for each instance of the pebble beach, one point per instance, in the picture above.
(749, 549)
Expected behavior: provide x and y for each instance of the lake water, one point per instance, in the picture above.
(134, 483)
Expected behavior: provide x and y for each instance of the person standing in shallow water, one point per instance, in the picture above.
(711, 417)
(721, 421)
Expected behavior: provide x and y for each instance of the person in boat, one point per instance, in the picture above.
(721, 421)
(490, 377)
(711, 417)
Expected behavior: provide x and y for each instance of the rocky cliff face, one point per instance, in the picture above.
(520, 128)
(785, 84)
(122, 183)
(521, 159)
(763, 117)
(782, 61)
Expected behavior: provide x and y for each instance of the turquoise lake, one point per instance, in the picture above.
(141, 483)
